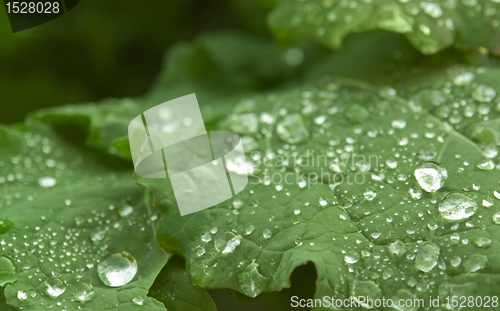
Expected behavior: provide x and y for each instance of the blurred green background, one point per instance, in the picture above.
(105, 49)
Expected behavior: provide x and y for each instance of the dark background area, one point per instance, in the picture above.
(105, 49)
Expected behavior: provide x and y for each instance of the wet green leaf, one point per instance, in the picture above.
(429, 25)
(69, 208)
(345, 198)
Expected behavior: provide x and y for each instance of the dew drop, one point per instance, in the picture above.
(398, 248)
(292, 129)
(370, 193)
(484, 93)
(415, 193)
(486, 165)
(117, 269)
(47, 182)
(266, 234)
(427, 257)
(138, 301)
(249, 230)
(226, 242)
(496, 219)
(21, 295)
(125, 209)
(457, 207)
(475, 262)
(428, 152)
(54, 287)
(83, 292)
(431, 176)
(351, 257)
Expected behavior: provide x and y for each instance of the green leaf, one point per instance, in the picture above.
(174, 288)
(430, 26)
(70, 207)
(465, 97)
(345, 198)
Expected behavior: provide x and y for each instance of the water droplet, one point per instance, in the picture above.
(457, 207)
(249, 230)
(431, 176)
(292, 129)
(21, 295)
(206, 238)
(351, 257)
(482, 242)
(200, 251)
(98, 235)
(427, 257)
(432, 9)
(125, 209)
(226, 242)
(398, 124)
(83, 292)
(117, 269)
(428, 152)
(54, 287)
(463, 79)
(455, 261)
(398, 248)
(484, 93)
(475, 262)
(496, 218)
(47, 182)
(415, 193)
(486, 165)
(237, 204)
(488, 202)
(252, 282)
(267, 234)
(138, 301)
(370, 193)
(392, 163)
(376, 234)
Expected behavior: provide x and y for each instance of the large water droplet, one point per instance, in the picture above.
(351, 257)
(47, 182)
(252, 282)
(125, 209)
(21, 295)
(482, 242)
(457, 207)
(486, 165)
(427, 257)
(398, 248)
(475, 262)
(83, 292)
(55, 287)
(226, 242)
(428, 152)
(292, 129)
(117, 269)
(484, 93)
(431, 176)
